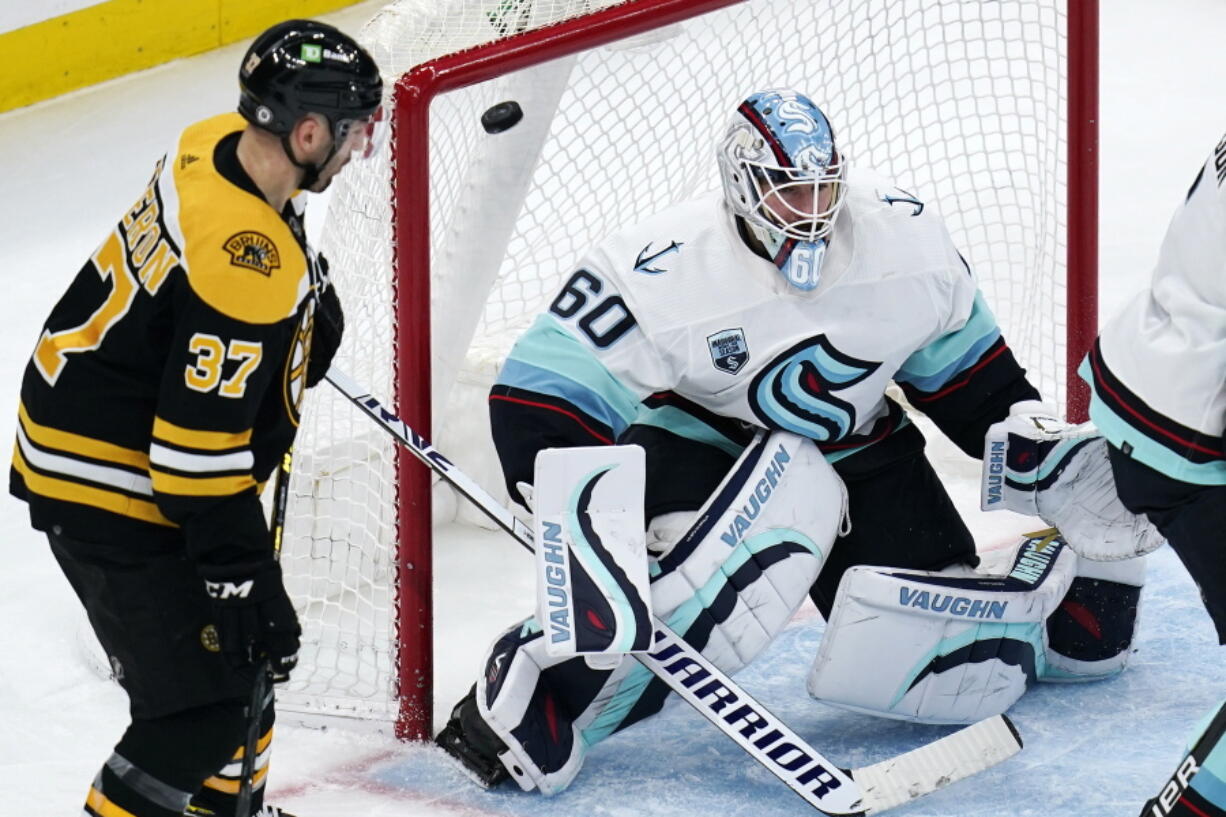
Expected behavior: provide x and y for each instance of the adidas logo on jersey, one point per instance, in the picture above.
(186, 159)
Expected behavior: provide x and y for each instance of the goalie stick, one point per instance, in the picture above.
(819, 782)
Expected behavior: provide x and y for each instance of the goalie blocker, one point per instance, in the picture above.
(955, 646)
(593, 596)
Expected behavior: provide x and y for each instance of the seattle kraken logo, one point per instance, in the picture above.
(795, 391)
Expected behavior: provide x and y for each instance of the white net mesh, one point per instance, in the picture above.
(961, 103)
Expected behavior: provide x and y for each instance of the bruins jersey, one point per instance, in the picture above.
(165, 386)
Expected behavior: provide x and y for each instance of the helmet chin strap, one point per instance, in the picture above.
(310, 172)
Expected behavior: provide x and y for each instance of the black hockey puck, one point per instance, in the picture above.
(503, 116)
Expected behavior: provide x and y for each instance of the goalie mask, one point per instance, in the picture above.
(784, 177)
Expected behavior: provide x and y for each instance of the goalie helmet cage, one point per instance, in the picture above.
(447, 245)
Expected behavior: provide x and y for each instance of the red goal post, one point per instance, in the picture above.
(411, 261)
(368, 641)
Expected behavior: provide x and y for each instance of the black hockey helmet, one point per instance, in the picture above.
(300, 67)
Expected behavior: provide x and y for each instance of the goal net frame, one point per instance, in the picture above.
(411, 258)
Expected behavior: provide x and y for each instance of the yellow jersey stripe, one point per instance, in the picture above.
(200, 486)
(229, 786)
(79, 444)
(234, 768)
(260, 746)
(100, 805)
(67, 491)
(79, 470)
(194, 438)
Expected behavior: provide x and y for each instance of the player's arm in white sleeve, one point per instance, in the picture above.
(965, 378)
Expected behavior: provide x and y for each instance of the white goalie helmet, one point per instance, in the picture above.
(780, 168)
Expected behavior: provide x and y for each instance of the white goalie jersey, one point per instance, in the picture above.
(1157, 368)
(679, 304)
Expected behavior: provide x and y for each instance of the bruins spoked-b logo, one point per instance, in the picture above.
(729, 350)
(209, 638)
(253, 251)
(294, 386)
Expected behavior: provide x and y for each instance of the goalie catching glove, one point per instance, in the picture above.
(1036, 464)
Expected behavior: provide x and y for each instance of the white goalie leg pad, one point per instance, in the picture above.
(543, 752)
(941, 647)
(591, 556)
(728, 586)
(1036, 464)
(736, 577)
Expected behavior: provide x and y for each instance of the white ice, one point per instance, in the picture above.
(69, 165)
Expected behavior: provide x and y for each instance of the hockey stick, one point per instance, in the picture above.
(255, 706)
(1176, 787)
(819, 782)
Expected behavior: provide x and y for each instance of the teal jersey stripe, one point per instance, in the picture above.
(1121, 433)
(632, 686)
(834, 456)
(549, 360)
(1209, 781)
(683, 424)
(1202, 726)
(931, 367)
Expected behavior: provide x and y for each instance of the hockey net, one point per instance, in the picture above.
(974, 107)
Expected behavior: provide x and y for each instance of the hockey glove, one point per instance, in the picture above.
(329, 325)
(254, 617)
(1035, 463)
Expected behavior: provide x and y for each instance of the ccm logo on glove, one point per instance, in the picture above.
(229, 590)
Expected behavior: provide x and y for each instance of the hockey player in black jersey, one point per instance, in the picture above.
(162, 392)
